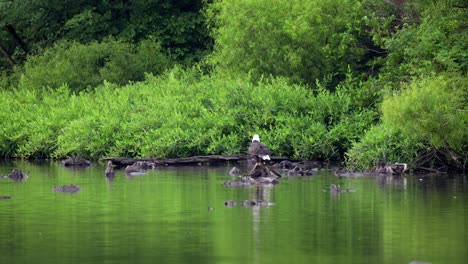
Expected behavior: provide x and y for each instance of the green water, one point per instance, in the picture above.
(164, 217)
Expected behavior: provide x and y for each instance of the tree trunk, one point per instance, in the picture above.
(7, 55)
(11, 30)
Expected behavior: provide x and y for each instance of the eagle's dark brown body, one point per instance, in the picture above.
(259, 151)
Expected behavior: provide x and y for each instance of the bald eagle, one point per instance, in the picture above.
(259, 151)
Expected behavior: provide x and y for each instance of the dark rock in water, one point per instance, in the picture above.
(248, 203)
(76, 162)
(4, 197)
(395, 168)
(234, 171)
(264, 171)
(247, 181)
(297, 168)
(285, 165)
(337, 189)
(230, 203)
(72, 188)
(300, 171)
(17, 175)
(132, 168)
(256, 203)
(398, 168)
(109, 170)
(146, 165)
(139, 167)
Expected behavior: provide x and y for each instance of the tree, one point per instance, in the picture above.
(29, 26)
(302, 40)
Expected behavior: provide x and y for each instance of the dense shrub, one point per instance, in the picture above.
(436, 44)
(429, 116)
(304, 41)
(383, 142)
(181, 113)
(85, 66)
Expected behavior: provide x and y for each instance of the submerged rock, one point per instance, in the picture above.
(109, 170)
(72, 188)
(256, 203)
(247, 181)
(337, 189)
(300, 171)
(139, 168)
(234, 171)
(381, 166)
(247, 203)
(230, 203)
(16, 175)
(297, 168)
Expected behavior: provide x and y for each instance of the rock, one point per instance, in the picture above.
(109, 170)
(247, 181)
(395, 168)
(285, 165)
(17, 175)
(234, 171)
(76, 162)
(139, 167)
(300, 171)
(398, 168)
(248, 203)
(256, 203)
(297, 168)
(230, 203)
(337, 189)
(72, 188)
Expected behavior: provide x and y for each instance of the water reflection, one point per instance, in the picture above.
(393, 181)
(163, 216)
(261, 194)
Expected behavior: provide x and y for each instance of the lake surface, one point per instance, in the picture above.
(177, 215)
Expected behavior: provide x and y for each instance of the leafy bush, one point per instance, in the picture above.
(85, 66)
(383, 141)
(429, 116)
(181, 113)
(303, 41)
(437, 44)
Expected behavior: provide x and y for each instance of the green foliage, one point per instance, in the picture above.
(383, 140)
(304, 41)
(436, 45)
(82, 66)
(177, 25)
(181, 113)
(429, 116)
(101, 85)
(437, 108)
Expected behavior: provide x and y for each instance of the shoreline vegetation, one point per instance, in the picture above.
(349, 81)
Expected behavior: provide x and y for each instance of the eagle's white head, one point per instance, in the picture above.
(256, 137)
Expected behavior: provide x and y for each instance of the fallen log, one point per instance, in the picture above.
(195, 160)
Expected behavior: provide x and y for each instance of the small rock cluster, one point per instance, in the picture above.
(72, 188)
(247, 203)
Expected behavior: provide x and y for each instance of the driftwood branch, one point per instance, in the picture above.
(195, 160)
